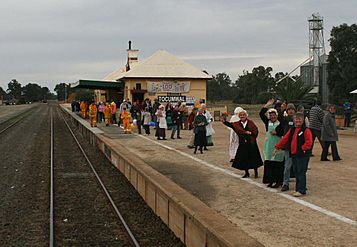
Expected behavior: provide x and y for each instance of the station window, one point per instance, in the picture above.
(138, 86)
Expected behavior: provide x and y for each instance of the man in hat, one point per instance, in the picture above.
(286, 123)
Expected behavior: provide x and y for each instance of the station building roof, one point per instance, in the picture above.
(161, 64)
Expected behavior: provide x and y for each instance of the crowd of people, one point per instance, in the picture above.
(288, 145)
(289, 139)
(137, 115)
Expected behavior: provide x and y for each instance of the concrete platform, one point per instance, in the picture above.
(221, 205)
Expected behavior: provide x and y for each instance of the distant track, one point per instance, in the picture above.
(18, 119)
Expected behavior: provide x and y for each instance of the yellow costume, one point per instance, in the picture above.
(93, 115)
(125, 116)
(107, 113)
(83, 107)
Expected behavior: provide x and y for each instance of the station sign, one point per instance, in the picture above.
(168, 86)
(171, 98)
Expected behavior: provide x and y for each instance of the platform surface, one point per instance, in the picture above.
(327, 216)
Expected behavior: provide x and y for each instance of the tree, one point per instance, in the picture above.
(219, 88)
(62, 91)
(293, 91)
(342, 61)
(14, 89)
(252, 85)
(32, 92)
(46, 94)
(2, 92)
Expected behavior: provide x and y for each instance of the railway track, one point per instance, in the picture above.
(74, 177)
(77, 212)
(15, 120)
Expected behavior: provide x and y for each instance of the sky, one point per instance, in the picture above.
(55, 41)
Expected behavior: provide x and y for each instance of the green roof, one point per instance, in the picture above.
(97, 84)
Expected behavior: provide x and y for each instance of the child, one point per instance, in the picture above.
(125, 116)
(147, 120)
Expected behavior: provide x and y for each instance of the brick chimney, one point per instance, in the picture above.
(132, 57)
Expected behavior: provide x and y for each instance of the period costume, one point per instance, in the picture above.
(161, 123)
(200, 123)
(273, 165)
(233, 140)
(248, 155)
(209, 128)
(233, 137)
(191, 118)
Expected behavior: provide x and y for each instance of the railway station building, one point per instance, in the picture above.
(162, 76)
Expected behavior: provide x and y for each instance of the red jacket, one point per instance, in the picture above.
(305, 147)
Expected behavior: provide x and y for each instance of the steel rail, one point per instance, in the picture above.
(103, 187)
(52, 229)
(12, 124)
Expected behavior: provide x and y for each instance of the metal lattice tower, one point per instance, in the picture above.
(316, 45)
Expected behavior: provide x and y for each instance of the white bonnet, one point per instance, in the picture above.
(238, 110)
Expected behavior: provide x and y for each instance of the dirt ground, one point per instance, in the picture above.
(270, 216)
(9, 111)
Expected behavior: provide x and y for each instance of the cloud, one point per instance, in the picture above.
(52, 41)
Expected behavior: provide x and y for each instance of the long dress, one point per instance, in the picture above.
(209, 128)
(248, 155)
(200, 123)
(273, 166)
(233, 139)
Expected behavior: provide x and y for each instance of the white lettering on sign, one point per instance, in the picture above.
(171, 98)
(168, 86)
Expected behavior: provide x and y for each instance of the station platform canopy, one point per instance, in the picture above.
(97, 84)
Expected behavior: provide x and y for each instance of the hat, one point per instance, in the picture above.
(291, 106)
(234, 119)
(238, 110)
(161, 106)
(272, 110)
(243, 111)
